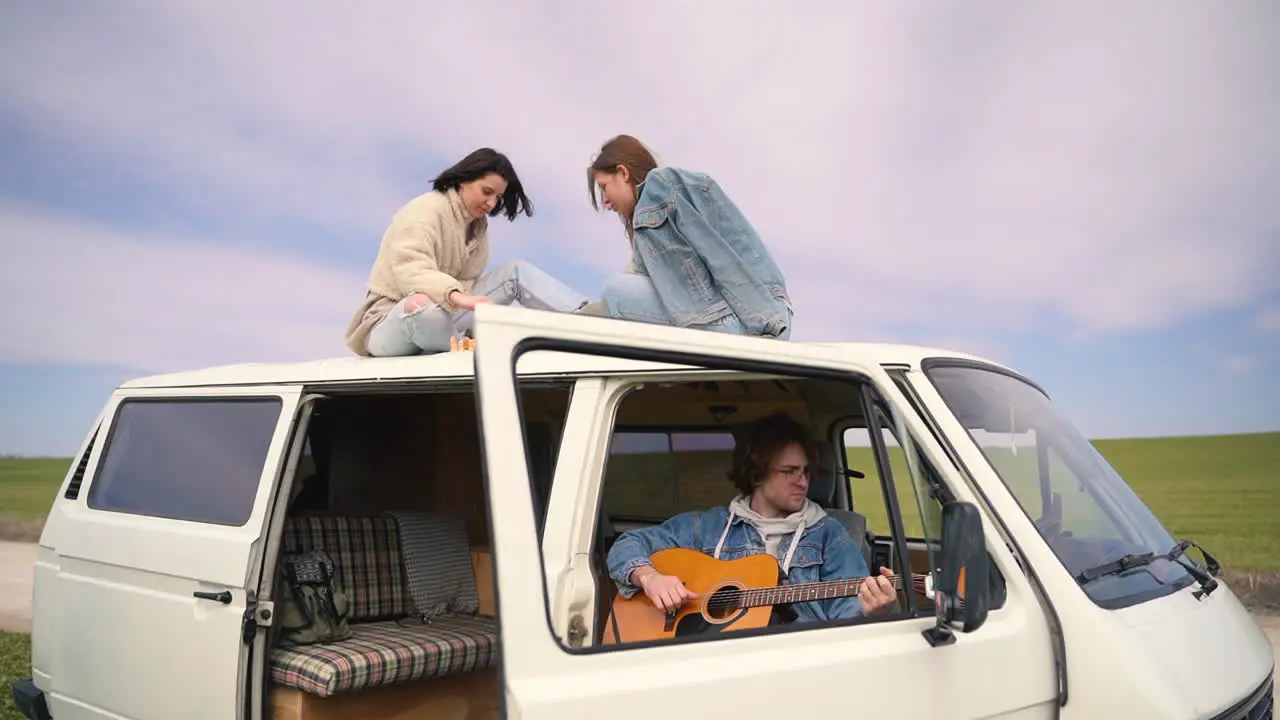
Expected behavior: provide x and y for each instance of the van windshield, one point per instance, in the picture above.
(1084, 510)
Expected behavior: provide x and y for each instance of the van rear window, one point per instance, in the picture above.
(197, 460)
(655, 474)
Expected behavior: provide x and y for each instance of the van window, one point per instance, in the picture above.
(197, 460)
(670, 452)
(653, 474)
(1082, 508)
(866, 494)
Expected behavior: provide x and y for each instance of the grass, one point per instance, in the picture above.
(15, 662)
(27, 487)
(1221, 491)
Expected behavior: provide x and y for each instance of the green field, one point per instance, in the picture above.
(1222, 491)
(27, 485)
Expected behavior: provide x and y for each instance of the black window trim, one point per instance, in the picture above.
(1059, 640)
(113, 426)
(76, 483)
(697, 360)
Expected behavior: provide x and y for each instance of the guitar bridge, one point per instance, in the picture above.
(669, 621)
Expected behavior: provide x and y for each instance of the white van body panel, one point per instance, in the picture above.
(122, 634)
(1004, 671)
(108, 585)
(1206, 650)
(1163, 645)
(461, 366)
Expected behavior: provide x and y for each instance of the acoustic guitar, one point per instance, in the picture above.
(730, 595)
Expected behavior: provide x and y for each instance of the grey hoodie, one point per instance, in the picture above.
(772, 530)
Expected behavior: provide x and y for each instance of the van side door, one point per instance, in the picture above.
(880, 666)
(155, 552)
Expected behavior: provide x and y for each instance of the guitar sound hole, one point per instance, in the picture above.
(724, 603)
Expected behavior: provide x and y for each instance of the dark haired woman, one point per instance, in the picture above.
(696, 260)
(429, 274)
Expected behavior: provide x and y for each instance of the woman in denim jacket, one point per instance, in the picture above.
(696, 261)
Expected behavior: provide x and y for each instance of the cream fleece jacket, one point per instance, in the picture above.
(424, 250)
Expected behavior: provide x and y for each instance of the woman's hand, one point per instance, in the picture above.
(469, 302)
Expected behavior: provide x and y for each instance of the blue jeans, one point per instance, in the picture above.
(632, 296)
(428, 329)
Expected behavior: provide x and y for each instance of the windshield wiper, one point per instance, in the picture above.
(1203, 575)
(1116, 567)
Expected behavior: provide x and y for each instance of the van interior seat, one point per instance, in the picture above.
(822, 490)
(388, 646)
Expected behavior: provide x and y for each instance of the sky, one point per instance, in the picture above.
(1085, 191)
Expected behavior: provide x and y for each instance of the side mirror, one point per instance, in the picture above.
(961, 587)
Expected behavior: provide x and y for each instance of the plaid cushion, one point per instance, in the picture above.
(366, 556)
(437, 562)
(385, 653)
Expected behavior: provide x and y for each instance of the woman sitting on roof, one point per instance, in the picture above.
(427, 281)
(696, 260)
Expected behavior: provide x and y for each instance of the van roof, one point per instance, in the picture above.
(458, 365)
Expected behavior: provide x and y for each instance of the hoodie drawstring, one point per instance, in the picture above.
(791, 549)
(725, 534)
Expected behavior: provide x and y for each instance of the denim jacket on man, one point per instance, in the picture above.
(825, 552)
(705, 259)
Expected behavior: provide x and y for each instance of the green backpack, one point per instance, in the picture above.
(311, 608)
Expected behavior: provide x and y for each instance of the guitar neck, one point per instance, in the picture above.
(807, 592)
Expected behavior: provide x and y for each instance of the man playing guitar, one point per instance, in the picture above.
(772, 514)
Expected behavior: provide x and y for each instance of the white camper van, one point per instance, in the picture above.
(490, 485)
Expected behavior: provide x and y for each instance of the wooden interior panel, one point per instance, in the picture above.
(468, 696)
(919, 559)
(455, 468)
(482, 568)
(417, 452)
(407, 452)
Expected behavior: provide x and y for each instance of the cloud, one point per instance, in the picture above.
(1237, 365)
(1046, 169)
(1268, 320)
(90, 295)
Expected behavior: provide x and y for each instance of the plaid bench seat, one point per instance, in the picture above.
(387, 645)
(384, 653)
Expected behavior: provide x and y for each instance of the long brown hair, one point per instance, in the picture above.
(623, 150)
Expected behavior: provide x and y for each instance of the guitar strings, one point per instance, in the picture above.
(740, 598)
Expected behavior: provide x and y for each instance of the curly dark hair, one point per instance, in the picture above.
(760, 442)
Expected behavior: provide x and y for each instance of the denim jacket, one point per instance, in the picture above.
(825, 552)
(705, 259)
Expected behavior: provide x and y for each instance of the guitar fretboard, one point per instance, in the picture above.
(807, 592)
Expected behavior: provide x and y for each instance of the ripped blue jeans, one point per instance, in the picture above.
(633, 296)
(428, 329)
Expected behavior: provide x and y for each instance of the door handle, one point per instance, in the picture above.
(223, 597)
